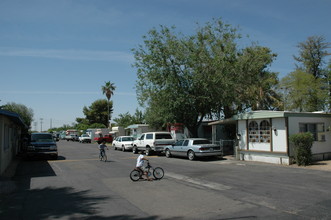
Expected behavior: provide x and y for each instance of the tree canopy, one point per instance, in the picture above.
(186, 79)
(97, 112)
(308, 87)
(126, 119)
(304, 92)
(25, 113)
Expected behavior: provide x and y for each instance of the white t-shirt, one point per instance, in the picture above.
(140, 161)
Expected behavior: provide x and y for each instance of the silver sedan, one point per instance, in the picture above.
(192, 148)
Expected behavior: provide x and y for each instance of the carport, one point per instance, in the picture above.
(224, 133)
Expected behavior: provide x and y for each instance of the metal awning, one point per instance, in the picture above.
(224, 122)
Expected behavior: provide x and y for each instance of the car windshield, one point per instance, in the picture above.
(127, 139)
(41, 138)
(197, 142)
(163, 136)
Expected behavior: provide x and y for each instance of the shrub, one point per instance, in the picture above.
(302, 148)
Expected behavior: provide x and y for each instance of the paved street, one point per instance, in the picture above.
(79, 186)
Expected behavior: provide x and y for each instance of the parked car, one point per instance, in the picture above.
(108, 138)
(72, 137)
(123, 142)
(42, 144)
(192, 148)
(84, 138)
(151, 142)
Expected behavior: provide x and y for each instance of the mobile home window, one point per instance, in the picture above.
(253, 131)
(317, 129)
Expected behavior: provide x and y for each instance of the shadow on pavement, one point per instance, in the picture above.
(50, 202)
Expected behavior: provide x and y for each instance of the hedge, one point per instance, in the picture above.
(303, 143)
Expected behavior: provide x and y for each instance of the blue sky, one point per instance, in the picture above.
(56, 54)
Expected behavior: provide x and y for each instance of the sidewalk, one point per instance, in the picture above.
(7, 185)
(324, 165)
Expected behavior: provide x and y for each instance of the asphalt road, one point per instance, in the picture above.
(79, 186)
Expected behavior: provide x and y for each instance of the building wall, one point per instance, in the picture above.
(279, 136)
(243, 135)
(274, 151)
(319, 147)
(9, 142)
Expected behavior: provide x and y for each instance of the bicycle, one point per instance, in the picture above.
(102, 155)
(157, 172)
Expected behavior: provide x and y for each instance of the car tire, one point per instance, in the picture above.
(167, 153)
(191, 155)
(134, 150)
(148, 151)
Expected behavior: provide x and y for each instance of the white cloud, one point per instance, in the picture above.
(69, 54)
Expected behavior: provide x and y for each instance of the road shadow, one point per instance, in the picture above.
(50, 202)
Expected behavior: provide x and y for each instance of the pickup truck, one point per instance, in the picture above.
(152, 142)
(72, 137)
(84, 138)
(42, 144)
(108, 138)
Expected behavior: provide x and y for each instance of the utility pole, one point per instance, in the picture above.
(35, 125)
(41, 124)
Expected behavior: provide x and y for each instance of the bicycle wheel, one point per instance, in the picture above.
(104, 156)
(158, 173)
(135, 175)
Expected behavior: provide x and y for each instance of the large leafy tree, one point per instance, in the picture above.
(25, 113)
(304, 92)
(108, 90)
(127, 119)
(189, 78)
(312, 54)
(308, 87)
(98, 112)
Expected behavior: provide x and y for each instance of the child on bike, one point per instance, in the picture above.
(140, 163)
(102, 147)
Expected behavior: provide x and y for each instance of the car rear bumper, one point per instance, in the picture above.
(208, 154)
(46, 153)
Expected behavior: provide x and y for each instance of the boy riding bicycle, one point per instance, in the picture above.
(102, 147)
(139, 166)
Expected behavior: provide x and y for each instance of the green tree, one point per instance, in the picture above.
(312, 54)
(308, 88)
(304, 92)
(189, 78)
(328, 82)
(126, 119)
(108, 90)
(98, 112)
(25, 113)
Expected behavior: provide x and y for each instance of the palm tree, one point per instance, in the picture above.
(108, 89)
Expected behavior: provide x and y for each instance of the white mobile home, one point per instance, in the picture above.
(136, 130)
(264, 135)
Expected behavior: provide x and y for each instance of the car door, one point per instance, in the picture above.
(176, 148)
(141, 141)
(184, 148)
(115, 143)
(119, 143)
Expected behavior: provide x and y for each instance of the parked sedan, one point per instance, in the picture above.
(192, 148)
(123, 142)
